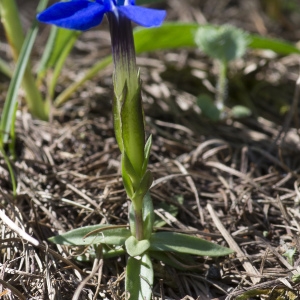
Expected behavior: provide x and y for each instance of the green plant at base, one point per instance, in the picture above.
(139, 240)
(223, 44)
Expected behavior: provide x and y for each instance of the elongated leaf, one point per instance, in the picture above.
(168, 36)
(276, 45)
(182, 243)
(148, 216)
(5, 68)
(176, 35)
(58, 47)
(144, 187)
(110, 235)
(11, 97)
(58, 40)
(139, 278)
(147, 151)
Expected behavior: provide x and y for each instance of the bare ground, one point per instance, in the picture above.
(238, 178)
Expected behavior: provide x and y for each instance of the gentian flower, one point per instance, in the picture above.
(127, 103)
(85, 14)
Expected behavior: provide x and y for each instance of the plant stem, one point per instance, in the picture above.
(222, 86)
(14, 33)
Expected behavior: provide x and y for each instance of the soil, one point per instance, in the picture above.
(234, 182)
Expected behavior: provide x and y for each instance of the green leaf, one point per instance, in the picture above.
(135, 247)
(148, 216)
(139, 278)
(133, 132)
(289, 254)
(11, 97)
(224, 43)
(276, 45)
(147, 151)
(240, 111)
(208, 108)
(5, 68)
(59, 40)
(132, 219)
(95, 234)
(172, 35)
(168, 36)
(144, 187)
(182, 243)
(128, 168)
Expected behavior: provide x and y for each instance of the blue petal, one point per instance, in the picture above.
(145, 17)
(77, 14)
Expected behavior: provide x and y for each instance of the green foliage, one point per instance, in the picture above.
(95, 234)
(21, 49)
(139, 278)
(182, 243)
(208, 108)
(175, 35)
(57, 49)
(289, 254)
(224, 43)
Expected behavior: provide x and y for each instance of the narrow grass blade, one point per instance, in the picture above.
(58, 48)
(21, 51)
(11, 97)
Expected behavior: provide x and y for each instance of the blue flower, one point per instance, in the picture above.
(85, 14)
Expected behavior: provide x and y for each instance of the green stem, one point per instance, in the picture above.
(222, 86)
(13, 29)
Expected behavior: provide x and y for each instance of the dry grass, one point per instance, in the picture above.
(238, 178)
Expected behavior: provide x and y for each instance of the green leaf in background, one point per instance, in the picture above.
(168, 36)
(276, 45)
(182, 243)
(95, 234)
(58, 40)
(148, 216)
(11, 97)
(173, 35)
(224, 43)
(240, 111)
(5, 68)
(58, 47)
(139, 278)
(208, 108)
